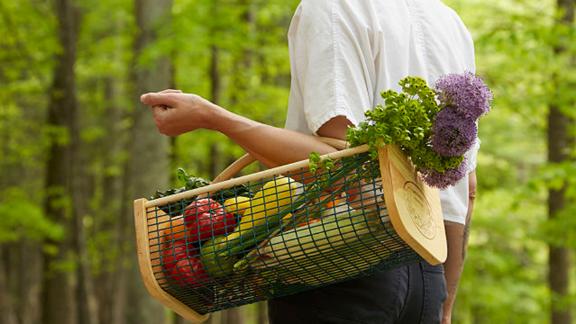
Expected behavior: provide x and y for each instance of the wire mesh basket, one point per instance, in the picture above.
(286, 230)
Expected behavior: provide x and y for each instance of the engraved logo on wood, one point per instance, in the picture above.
(415, 205)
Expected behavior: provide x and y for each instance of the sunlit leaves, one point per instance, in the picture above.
(22, 219)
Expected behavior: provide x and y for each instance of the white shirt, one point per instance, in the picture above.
(343, 53)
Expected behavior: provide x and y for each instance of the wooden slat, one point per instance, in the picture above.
(155, 223)
(252, 177)
(145, 237)
(414, 207)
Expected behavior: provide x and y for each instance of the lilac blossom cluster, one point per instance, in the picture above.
(463, 99)
(453, 135)
(466, 93)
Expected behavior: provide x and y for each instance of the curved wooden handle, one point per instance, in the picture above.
(247, 159)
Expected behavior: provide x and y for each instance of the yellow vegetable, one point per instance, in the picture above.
(219, 254)
(237, 205)
(287, 217)
(269, 201)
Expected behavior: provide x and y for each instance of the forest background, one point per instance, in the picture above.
(76, 147)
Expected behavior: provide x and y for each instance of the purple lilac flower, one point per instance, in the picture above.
(452, 135)
(443, 180)
(466, 92)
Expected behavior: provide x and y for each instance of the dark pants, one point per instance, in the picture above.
(410, 294)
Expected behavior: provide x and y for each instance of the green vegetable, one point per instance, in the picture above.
(334, 230)
(177, 208)
(405, 119)
(216, 257)
(354, 241)
(190, 183)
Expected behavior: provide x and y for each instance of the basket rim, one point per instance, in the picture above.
(251, 177)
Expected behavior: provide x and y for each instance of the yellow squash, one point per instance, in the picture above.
(237, 205)
(274, 196)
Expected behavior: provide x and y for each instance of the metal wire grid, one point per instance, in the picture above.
(329, 227)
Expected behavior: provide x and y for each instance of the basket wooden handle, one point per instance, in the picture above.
(248, 159)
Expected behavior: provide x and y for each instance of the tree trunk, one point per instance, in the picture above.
(215, 81)
(215, 95)
(108, 216)
(109, 283)
(7, 307)
(558, 256)
(85, 295)
(148, 152)
(243, 64)
(82, 195)
(561, 141)
(20, 281)
(58, 302)
(29, 282)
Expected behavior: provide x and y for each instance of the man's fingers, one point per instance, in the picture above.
(159, 99)
(158, 110)
(171, 91)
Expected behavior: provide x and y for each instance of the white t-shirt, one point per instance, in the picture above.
(343, 53)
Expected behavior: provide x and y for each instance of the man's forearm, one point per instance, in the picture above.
(457, 237)
(271, 145)
(454, 263)
(176, 113)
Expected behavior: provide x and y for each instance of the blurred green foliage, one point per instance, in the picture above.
(505, 276)
(22, 219)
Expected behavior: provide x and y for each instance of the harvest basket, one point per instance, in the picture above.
(302, 228)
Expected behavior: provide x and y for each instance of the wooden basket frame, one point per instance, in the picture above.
(413, 207)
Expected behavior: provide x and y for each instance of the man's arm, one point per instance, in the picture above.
(176, 113)
(457, 236)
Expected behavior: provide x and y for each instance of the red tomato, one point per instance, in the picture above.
(189, 272)
(206, 218)
(173, 251)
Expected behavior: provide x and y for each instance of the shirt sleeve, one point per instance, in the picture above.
(332, 62)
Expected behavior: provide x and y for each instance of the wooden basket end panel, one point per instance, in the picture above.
(148, 232)
(414, 207)
(149, 227)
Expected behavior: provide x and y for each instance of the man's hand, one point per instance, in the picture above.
(176, 113)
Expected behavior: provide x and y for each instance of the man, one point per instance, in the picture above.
(343, 53)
